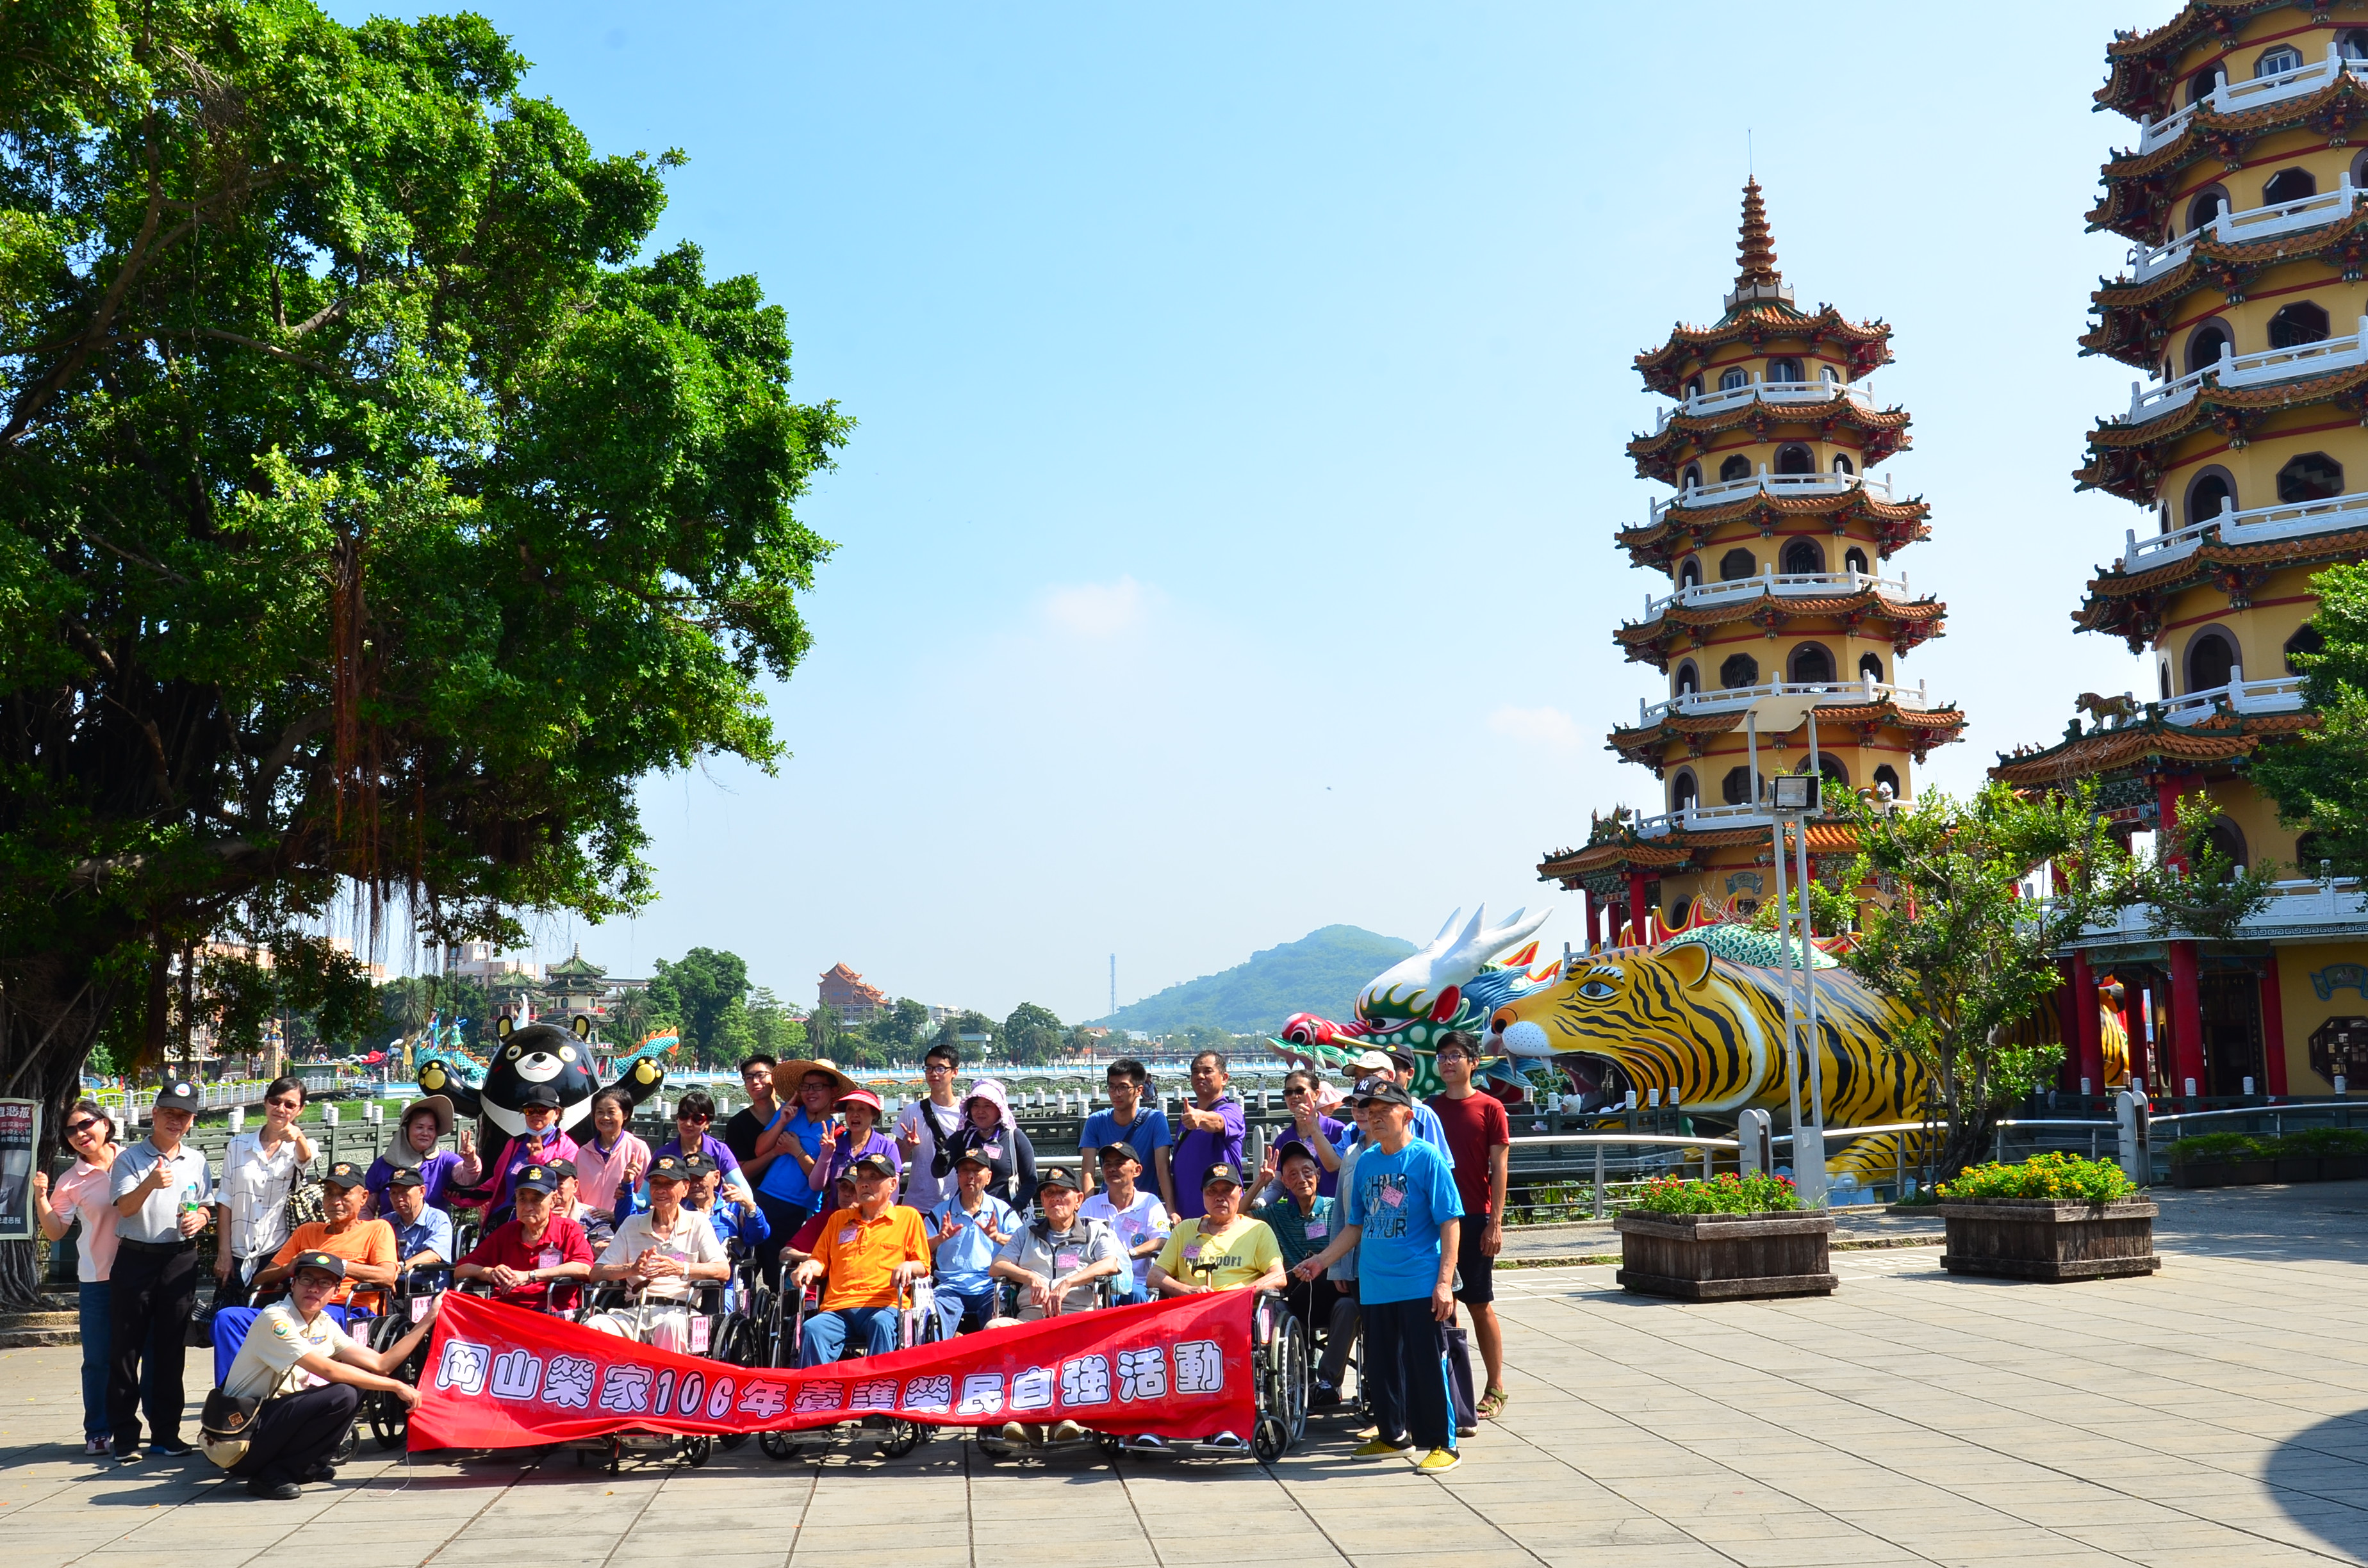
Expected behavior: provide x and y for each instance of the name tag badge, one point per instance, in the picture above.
(846, 1236)
(547, 1258)
(418, 1308)
(699, 1337)
(1192, 1252)
(1064, 1261)
(992, 1151)
(1317, 1229)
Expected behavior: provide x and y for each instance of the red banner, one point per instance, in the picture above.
(501, 1377)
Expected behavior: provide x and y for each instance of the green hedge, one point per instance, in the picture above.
(2223, 1148)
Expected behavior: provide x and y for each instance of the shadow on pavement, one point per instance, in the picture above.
(2320, 1478)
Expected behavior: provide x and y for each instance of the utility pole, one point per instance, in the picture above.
(1114, 984)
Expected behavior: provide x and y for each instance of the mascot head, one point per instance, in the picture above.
(539, 1054)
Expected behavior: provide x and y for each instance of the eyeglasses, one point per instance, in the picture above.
(933, 1068)
(283, 1103)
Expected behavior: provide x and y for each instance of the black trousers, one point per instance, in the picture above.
(785, 1219)
(151, 1299)
(1405, 1373)
(298, 1431)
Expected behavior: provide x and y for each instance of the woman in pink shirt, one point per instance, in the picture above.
(611, 1157)
(82, 1194)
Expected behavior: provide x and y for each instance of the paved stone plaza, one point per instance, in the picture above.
(2216, 1413)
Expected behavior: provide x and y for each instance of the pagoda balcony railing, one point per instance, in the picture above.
(1735, 699)
(1778, 484)
(1787, 585)
(2235, 98)
(2253, 223)
(2264, 367)
(2282, 694)
(1703, 819)
(2255, 525)
(2318, 902)
(1757, 390)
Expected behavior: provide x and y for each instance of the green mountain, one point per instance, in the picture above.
(1321, 973)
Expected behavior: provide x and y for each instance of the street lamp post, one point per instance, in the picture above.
(1792, 801)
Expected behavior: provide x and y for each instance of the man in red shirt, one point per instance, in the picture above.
(1482, 1137)
(523, 1256)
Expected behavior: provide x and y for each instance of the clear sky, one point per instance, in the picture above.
(1225, 549)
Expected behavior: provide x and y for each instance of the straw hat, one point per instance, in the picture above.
(789, 1079)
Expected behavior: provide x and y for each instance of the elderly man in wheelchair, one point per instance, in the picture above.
(1059, 1262)
(660, 1256)
(1225, 1249)
(871, 1254)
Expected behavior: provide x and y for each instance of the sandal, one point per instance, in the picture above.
(1492, 1403)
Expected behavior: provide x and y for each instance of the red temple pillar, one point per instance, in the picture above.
(2089, 1033)
(2166, 800)
(1636, 907)
(2066, 1028)
(1589, 894)
(2273, 1029)
(2186, 1020)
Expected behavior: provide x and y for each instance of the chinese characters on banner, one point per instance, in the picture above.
(20, 1132)
(502, 1377)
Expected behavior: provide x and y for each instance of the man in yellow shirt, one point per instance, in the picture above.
(870, 1254)
(1223, 1249)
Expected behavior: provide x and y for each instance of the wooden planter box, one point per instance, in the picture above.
(2224, 1173)
(2016, 1240)
(2342, 1167)
(2301, 1167)
(1725, 1258)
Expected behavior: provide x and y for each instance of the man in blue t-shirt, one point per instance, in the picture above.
(1209, 1132)
(1401, 1214)
(1127, 1122)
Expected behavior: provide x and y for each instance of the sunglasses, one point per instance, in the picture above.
(77, 1128)
(285, 1104)
(695, 1121)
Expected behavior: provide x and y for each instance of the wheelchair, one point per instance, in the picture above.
(720, 1330)
(407, 1302)
(1281, 1373)
(990, 1440)
(916, 1324)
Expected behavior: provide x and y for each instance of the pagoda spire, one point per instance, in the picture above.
(1756, 252)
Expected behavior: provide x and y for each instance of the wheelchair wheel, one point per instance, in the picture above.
(1111, 1447)
(781, 1446)
(390, 1420)
(1281, 1392)
(904, 1436)
(695, 1450)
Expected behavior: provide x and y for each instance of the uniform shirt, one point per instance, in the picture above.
(1039, 1249)
(1196, 1151)
(86, 1192)
(859, 1256)
(924, 1187)
(158, 1218)
(364, 1241)
(432, 1232)
(1239, 1254)
(1149, 1133)
(1473, 1125)
(692, 1240)
(733, 1221)
(1401, 1200)
(275, 1342)
(563, 1242)
(785, 1179)
(255, 1188)
(1302, 1235)
(1137, 1223)
(963, 1257)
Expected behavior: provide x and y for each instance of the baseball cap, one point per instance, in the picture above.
(877, 1163)
(344, 1173)
(1371, 1061)
(1221, 1172)
(1381, 1091)
(1057, 1176)
(179, 1095)
(1401, 1057)
(326, 1261)
(537, 1178)
(1119, 1150)
(670, 1167)
(539, 1095)
(973, 1156)
(406, 1177)
(695, 1165)
(562, 1169)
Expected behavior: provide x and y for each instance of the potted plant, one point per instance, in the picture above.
(2335, 1153)
(2054, 1216)
(2224, 1159)
(1730, 1238)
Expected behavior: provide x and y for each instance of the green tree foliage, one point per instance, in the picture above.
(2320, 779)
(405, 1005)
(371, 514)
(1031, 1035)
(967, 1022)
(2191, 887)
(900, 1030)
(1961, 951)
(770, 1028)
(705, 990)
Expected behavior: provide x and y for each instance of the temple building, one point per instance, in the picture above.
(848, 997)
(2244, 454)
(1774, 552)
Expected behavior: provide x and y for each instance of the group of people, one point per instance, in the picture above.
(1376, 1222)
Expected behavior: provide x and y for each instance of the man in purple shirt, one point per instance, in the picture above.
(1208, 1132)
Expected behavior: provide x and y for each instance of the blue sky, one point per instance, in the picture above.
(1225, 547)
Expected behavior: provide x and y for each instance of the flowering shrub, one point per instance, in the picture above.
(2058, 1176)
(1728, 1194)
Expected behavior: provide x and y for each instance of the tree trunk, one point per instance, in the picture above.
(52, 1009)
(1968, 1143)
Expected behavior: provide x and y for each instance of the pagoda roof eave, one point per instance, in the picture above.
(2147, 745)
(1925, 727)
(1897, 524)
(1657, 455)
(2131, 604)
(1665, 369)
(2130, 325)
(2137, 63)
(1671, 851)
(1870, 603)
(2125, 460)
(2136, 183)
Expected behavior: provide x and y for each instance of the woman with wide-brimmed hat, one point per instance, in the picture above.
(796, 1181)
(424, 1124)
(988, 1128)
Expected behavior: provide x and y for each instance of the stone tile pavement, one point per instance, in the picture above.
(2214, 1414)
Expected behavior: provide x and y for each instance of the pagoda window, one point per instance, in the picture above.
(1785, 370)
(2203, 348)
(1887, 778)
(2164, 668)
(1688, 679)
(2313, 476)
(1855, 560)
(1812, 666)
(2274, 61)
(2206, 206)
(1740, 671)
(1736, 788)
(1794, 458)
(1734, 378)
(1735, 468)
(1680, 913)
(1869, 666)
(2296, 324)
(2306, 640)
(1828, 374)
(1803, 558)
(1694, 387)
(1683, 792)
(2211, 658)
(2200, 85)
(2353, 43)
(1689, 573)
(1830, 765)
(2209, 493)
(1691, 478)
(2229, 840)
(1736, 565)
(1842, 463)
(2289, 185)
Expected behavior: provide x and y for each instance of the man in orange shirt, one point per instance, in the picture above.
(366, 1246)
(871, 1253)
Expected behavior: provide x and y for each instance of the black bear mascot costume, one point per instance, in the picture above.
(539, 1054)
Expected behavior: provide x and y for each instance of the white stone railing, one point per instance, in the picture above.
(1783, 585)
(2255, 525)
(2253, 223)
(2264, 367)
(2282, 694)
(2235, 98)
(1703, 818)
(1735, 699)
(1757, 390)
(1779, 484)
(2333, 901)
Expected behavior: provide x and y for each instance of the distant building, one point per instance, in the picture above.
(574, 984)
(482, 960)
(847, 996)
